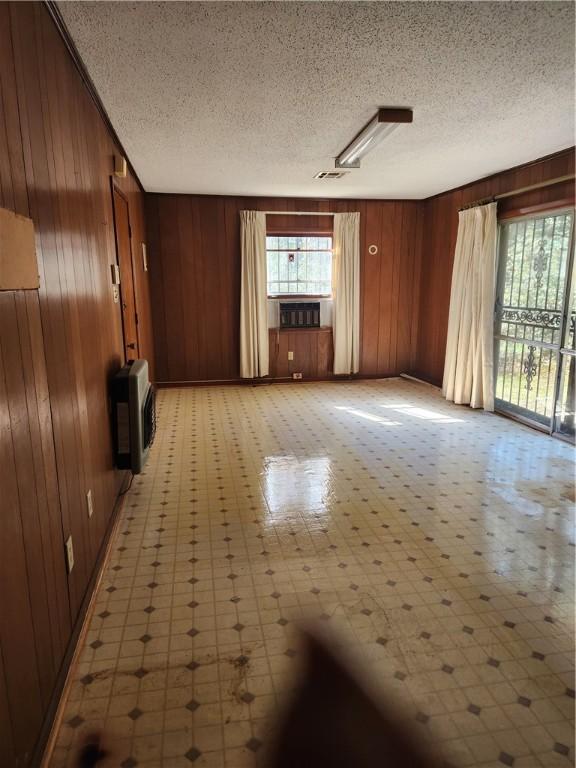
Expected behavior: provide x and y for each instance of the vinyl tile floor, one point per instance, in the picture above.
(433, 542)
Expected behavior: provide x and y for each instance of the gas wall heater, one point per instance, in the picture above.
(133, 415)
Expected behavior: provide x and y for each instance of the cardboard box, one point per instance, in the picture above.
(18, 262)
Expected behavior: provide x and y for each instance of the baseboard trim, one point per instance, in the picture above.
(55, 713)
(274, 380)
(418, 380)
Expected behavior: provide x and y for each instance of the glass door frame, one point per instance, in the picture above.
(565, 352)
(558, 351)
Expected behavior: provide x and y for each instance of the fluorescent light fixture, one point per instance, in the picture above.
(382, 124)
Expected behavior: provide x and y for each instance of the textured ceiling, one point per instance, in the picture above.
(255, 98)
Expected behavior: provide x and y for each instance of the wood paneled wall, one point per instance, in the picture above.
(439, 241)
(35, 619)
(58, 348)
(194, 249)
(312, 350)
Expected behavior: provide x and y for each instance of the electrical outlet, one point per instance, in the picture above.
(89, 503)
(296, 375)
(69, 554)
(290, 355)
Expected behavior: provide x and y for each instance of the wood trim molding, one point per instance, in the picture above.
(54, 12)
(279, 380)
(567, 202)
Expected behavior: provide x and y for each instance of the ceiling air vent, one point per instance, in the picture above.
(330, 175)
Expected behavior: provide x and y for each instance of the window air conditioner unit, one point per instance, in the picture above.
(300, 314)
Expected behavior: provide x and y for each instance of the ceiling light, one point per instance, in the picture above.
(381, 125)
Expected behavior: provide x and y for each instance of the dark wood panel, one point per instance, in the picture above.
(23, 684)
(195, 262)
(312, 349)
(6, 737)
(58, 348)
(439, 240)
(370, 287)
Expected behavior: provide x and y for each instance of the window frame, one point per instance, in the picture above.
(301, 233)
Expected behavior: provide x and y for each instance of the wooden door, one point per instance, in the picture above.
(124, 254)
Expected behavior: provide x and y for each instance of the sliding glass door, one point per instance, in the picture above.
(534, 326)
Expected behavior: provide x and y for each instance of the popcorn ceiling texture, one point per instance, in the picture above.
(255, 98)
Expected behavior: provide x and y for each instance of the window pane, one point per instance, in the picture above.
(292, 268)
(272, 260)
(283, 266)
(309, 271)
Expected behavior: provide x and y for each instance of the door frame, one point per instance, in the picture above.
(115, 189)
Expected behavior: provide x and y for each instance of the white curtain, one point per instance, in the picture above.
(253, 297)
(469, 364)
(346, 292)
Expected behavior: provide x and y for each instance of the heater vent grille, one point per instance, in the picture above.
(330, 175)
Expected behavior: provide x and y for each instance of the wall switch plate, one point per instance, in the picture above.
(120, 166)
(69, 554)
(290, 355)
(296, 375)
(89, 503)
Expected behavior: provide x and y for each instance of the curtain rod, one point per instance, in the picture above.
(297, 213)
(519, 191)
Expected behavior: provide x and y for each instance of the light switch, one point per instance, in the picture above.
(290, 355)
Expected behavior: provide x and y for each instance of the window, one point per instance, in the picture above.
(299, 265)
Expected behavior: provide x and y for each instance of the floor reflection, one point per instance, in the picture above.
(291, 483)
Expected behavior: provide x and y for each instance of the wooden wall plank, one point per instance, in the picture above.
(6, 738)
(23, 685)
(384, 308)
(47, 475)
